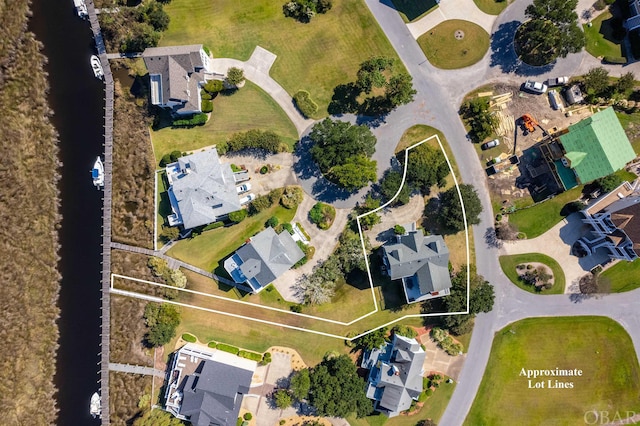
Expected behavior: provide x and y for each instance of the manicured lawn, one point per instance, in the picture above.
(433, 409)
(538, 219)
(413, 10)
(248, 108)
(598, 346)
(624, 276)
(509, 263)
(315, 57)
(492, 7)
(208, 249)
(600, 39)
(444, 51)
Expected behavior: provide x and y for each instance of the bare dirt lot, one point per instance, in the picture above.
(531, 179)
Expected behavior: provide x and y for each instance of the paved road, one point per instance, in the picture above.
(439, 93)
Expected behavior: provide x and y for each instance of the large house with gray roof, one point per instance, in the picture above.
(395, 375)
(262, 259)
(176, 74)
(202, 189)
(206, 386)
(421, 262)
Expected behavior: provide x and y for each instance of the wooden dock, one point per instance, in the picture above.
(106, 213)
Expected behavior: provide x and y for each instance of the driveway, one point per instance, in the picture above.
(438, 361)
(465, 10)
(277, 375)
(324, 242)
(392, 216)
(281, 175)
(556, 243)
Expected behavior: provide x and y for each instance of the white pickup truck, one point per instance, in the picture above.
(558, 81)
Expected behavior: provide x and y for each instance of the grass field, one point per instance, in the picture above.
(598, 346)
(509, 263)
(624, 276)
(413, 10)
(209, 248)
(248, 108)
(315, 57)
(445, 51)
(538, 219)
(600, 40)
(433, 409)
(631, 125)
(492, 7)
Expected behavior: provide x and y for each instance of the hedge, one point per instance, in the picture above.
(212, 345)
(305, 104)
(250, 355)
(257, 139)
(214, 225)
(214, 86)
(615, 60)
(227, 348)
(238, 216)
(188, 337)
(195, 120)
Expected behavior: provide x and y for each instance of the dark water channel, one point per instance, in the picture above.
(76, 97)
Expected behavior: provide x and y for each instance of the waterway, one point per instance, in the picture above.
(76, 98)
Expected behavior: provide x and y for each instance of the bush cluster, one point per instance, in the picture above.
(227, 348)
(238, 216)
(213, 86)
(304, 10)
(305, 104)
(132, 29)
(188, 337)
(172, 157)
(214, 225)
(322, 215)
(207, 106)
(235, 76)
(194, 120)
(250, 355)
(442, 338)
(291, 197)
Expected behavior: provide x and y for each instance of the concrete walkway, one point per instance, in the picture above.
(465, 10)
(256, 69)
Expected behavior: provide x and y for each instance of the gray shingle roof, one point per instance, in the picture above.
(400, 374)
(206, 191)
(426, 258)
(213, 394)
(267, 256)
(178, 68)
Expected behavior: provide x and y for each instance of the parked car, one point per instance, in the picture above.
(243, 188)
(558, 81)
(535, 87)
(247, 198)
(490, 144)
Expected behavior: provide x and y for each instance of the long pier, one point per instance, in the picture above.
(106, 213)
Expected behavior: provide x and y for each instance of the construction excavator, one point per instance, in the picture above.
(529, 123)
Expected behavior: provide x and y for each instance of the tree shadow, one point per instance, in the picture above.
(491, 239)
(344, 99)
(503, 54)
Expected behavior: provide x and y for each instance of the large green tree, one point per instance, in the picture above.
(481, 299)
(335, 143)
(451, 210)
(337, 390)
(157, 417)
(300, 384)
(372, 340)
(389, 187)
(162, 319)
(426, 166)
(356, 173)
(552, 31)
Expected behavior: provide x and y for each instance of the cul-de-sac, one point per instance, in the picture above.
(349, 212)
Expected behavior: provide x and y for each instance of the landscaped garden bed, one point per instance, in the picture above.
(454, 44)
(533, 271)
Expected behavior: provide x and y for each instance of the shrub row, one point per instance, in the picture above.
(256, 139)
(207, 105)
(195, 120)
(214, 225)
(250, 355)
(289, 197)
(227, 348)
(305, 104)
(615, 60)
(188, 337)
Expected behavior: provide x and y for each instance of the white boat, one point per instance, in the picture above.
(97, 67)
(97, 174)
(81, 8)
(94, 408)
